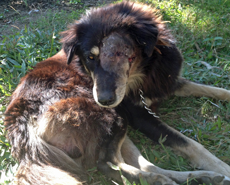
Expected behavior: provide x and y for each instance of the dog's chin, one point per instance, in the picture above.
(116, 103)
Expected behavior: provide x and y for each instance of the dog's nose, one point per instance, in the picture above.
(107, 100)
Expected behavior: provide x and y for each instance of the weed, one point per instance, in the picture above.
(75, 2)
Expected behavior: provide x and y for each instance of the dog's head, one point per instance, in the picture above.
(110, 43)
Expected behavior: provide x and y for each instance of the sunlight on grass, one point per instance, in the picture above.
(202, 32)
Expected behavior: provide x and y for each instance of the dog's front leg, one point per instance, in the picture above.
(111, 153)
(154, 129)
(199, 156)
(132, 156)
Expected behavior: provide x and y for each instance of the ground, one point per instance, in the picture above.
(15, 14)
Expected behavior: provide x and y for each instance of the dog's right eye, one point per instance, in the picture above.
(91, 57)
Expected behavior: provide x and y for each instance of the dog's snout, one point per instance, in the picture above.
(107, 99)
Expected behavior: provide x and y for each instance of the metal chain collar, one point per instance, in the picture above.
(145, 104)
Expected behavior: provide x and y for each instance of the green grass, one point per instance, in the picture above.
(202, 30)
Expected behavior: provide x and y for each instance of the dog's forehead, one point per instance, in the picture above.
(117, 43)
(116, 39)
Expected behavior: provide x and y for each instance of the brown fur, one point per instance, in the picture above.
(61, 123)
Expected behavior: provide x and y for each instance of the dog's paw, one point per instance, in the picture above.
(157, 179)
(206, 178)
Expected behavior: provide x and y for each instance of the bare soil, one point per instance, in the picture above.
(15, 14)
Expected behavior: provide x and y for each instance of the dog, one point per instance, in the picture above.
(71, 112)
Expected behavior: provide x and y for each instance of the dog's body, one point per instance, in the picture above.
(66, 118)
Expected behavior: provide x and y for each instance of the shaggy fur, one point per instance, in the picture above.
(70, 113)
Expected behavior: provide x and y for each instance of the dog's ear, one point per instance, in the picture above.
(70, 42)
(71, 53)
(145, 35)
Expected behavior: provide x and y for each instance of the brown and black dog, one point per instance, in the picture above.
(71, 111)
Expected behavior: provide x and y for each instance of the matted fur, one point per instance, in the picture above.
(70, 113)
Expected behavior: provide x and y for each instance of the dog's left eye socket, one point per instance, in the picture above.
(131, 59)
(91, 57)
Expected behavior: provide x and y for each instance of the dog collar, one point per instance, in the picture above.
(145, 104)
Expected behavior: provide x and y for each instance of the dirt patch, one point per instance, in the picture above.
(14, 15)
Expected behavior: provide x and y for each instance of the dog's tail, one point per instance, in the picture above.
(52, 166)
(58, 168)
(35, 174)
(39, 162)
